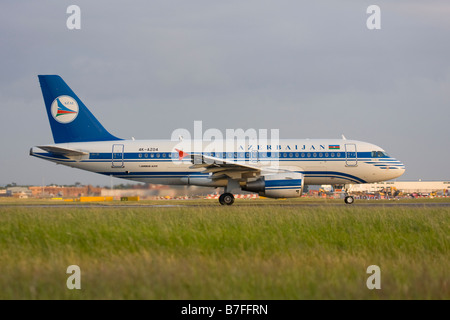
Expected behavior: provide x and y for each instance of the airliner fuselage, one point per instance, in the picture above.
(157, 161)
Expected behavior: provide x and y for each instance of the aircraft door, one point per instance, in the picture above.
(117, 155)
(351, 158)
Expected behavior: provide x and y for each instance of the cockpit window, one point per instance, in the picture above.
(379, 154)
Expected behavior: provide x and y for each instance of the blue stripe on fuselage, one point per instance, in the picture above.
(283, 183)
(236, 155)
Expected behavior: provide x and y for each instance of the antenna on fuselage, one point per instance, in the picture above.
(343, 137)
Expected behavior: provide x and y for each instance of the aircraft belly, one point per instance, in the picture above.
(332, 172)
(168, 181)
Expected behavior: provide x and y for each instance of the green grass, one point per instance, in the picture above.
(213, 252)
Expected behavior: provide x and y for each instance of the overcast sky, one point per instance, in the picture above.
(309, 68)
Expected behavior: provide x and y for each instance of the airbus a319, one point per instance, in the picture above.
(274, 171)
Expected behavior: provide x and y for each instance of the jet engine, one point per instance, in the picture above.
(278, 185)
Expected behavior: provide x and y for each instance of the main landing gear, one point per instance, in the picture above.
(226, 199)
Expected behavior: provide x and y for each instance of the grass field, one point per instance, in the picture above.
(247, 251)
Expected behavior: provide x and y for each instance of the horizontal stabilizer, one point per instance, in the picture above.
(63, 151)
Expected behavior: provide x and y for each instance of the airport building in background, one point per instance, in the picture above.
(151, 191)
(404, 187)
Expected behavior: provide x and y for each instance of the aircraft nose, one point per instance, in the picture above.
(400, 168)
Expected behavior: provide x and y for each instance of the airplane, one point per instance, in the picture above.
(273, 171)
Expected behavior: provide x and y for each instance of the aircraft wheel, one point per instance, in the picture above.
(221, 199)
(349, 199)
(226, 198)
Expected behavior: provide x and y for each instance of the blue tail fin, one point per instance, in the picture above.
(69, 118)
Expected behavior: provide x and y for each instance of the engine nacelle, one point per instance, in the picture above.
(278, 185)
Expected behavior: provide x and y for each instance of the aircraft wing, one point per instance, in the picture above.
(63, 151)
(222, 168)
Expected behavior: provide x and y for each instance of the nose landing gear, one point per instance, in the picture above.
(226, 199)
(349, 200)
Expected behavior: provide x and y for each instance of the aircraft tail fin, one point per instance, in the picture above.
(70, 120)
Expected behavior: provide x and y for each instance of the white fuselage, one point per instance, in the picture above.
(322, 161)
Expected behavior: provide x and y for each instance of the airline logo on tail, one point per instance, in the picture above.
(64, 109)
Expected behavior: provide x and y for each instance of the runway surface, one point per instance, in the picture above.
(299, 205)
